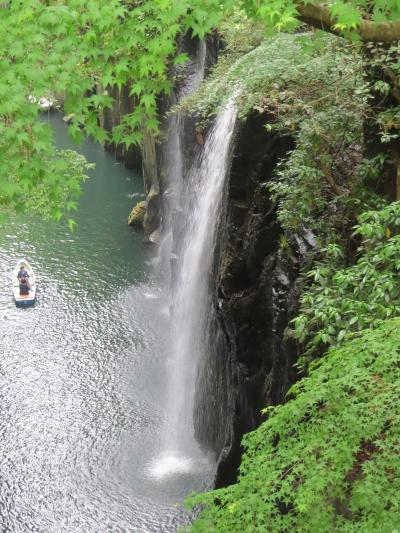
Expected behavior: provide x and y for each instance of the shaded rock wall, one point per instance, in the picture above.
(158, 172)
(249, 363)
(123, 104)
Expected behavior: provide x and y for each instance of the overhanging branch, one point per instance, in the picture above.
(318, 16)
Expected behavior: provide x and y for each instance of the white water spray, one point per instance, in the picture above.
(173, 156)
(174, 160)
(201, 201)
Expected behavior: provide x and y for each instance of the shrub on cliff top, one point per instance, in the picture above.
(288, 75)
(310, 87)
(327, 460)
(343, 299)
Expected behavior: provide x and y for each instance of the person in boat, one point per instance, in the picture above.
(24, 286)
(22, 273)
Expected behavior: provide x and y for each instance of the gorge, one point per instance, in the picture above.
(231, 361)
(232, 296)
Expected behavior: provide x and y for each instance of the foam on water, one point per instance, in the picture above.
(150, 295)
(169, 464)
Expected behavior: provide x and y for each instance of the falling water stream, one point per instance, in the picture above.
(201, 200)
(82, 373)
(173, 159)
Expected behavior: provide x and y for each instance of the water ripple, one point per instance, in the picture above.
(81, 376)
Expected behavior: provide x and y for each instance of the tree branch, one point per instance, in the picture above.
(331, 180)
(318, 16)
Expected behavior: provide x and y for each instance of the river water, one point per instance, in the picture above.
(82, 372)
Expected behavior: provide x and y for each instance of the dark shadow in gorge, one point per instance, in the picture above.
(248, 362)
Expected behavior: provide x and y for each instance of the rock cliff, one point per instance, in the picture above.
(249, 356)
(249, 363)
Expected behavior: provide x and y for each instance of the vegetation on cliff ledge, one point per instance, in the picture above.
(327, 460)
(348, 298)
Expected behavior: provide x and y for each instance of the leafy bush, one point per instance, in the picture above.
(84, 50)
(55, 196)
(311, 87)
(58, 197)
(325, 182)
(286, 75)
(327, 460)
(345, 299)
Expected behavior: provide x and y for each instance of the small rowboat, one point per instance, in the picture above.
(23, 300)
(46, 103)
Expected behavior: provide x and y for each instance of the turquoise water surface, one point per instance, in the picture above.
(82, 372)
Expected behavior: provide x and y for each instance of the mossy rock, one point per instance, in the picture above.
(152, 219)
(136, 217)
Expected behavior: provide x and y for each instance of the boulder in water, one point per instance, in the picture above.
(136, 217)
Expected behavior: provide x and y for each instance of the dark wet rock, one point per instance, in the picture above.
(250, 355)
(123, 104)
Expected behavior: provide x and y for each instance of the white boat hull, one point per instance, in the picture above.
(22, 300)
(45, 103)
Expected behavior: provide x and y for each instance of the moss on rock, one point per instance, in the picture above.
(136, 217)
(152, 218)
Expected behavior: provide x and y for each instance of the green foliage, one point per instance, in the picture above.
(342, 299)
(34, 175)
(67, 171)
(384, 71)
(310, 87)
(325, 182)
(348, 15)
(288, 76)
(86, 50)
(327, 460)
(240, 34)
(314, 88)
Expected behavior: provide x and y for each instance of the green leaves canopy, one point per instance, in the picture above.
(344, 299)
(83, 48)
(327, 460)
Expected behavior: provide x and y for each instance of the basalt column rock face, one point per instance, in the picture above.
(167, 159)
(250, 362)
(123, 104)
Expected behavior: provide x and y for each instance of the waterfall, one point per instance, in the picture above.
(201, 201)
(174, 164)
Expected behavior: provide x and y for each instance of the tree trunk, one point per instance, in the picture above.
(388, 184)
